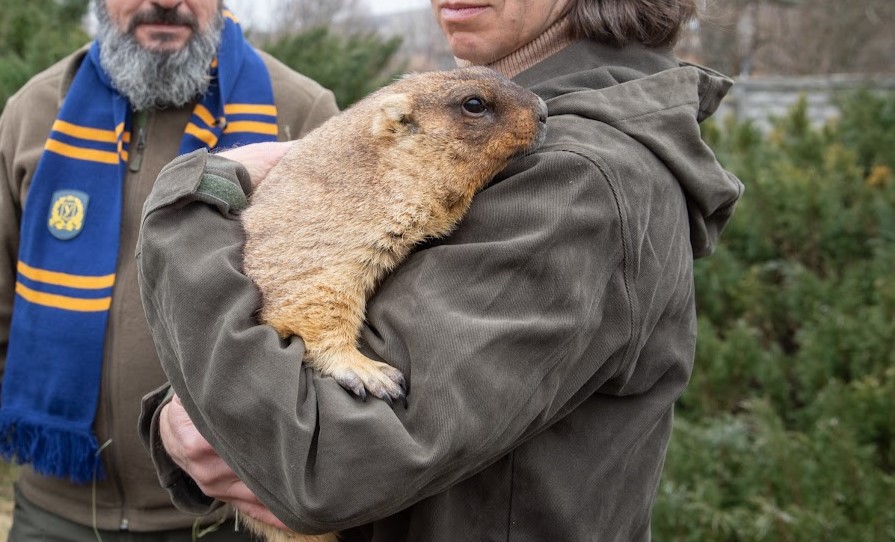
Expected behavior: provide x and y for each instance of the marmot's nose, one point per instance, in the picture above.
(542, 110)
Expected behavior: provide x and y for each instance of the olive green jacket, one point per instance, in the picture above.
(545, 341)
(130, 497)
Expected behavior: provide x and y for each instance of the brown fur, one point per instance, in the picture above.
(349, 201)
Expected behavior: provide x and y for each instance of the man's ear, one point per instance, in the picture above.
(395, 117)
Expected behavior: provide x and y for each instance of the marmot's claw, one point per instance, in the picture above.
(386, 390)
(399, 395)
(379, 379)
(352, 384)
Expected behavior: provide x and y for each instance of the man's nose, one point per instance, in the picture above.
(168, 4)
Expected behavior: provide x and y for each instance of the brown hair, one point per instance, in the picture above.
(653, 23)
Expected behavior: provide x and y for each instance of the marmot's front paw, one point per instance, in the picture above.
(359, 374)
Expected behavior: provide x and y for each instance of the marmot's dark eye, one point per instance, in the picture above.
(474, 107)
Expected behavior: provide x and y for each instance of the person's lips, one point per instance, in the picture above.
(460, 12)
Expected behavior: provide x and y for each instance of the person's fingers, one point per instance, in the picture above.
(258, 158)
(189, 449)
(193, 453)
(181, 439)
(214, 477)
(169, 436)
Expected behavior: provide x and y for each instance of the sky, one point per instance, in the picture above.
(253, 11)
(388, 6)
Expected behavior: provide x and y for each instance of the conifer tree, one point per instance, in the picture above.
(351, 65)
(34, 35)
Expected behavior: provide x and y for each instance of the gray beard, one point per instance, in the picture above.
(156, 79)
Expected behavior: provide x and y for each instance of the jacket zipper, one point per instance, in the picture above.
(136, 158)
(135, 162)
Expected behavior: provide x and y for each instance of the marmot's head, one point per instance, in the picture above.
(465, 123)
(443, 134)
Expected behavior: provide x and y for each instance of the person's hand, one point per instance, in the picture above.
(189, 449)
(258, 158)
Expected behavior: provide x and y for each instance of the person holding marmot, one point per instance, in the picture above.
(544, 342)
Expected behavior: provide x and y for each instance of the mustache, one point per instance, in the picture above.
(161, 15)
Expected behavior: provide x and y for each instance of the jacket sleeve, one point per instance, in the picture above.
(489, 326)
(22, 136)
(9, 234)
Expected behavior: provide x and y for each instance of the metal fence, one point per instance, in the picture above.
(761, 98)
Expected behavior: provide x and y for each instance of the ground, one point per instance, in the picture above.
(7, 474)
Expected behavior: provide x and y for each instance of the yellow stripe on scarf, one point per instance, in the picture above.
(62, 301)
(203, 113)
(85, 282)
(202, 134)
(250, 109)
(80, 153)
(265, 128)
(83, 132)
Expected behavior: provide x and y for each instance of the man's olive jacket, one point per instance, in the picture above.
(130, 496)
(545, 341)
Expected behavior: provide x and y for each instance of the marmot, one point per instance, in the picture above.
(349, 201)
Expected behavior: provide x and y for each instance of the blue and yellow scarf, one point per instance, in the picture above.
(69, 250)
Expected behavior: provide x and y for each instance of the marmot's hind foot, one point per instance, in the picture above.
(359, 374)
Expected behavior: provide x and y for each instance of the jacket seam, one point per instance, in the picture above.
(609, 178)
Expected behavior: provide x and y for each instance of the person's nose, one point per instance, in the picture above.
(168, 4)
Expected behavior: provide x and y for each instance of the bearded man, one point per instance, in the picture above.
(83, 143)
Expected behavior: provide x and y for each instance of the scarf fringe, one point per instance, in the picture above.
(51, 451)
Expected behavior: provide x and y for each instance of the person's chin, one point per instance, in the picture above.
(471, 51)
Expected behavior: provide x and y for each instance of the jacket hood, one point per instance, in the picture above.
(656, 100)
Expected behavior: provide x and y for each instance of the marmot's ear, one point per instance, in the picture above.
(395, 116)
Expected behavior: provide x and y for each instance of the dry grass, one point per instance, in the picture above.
(7, 475)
